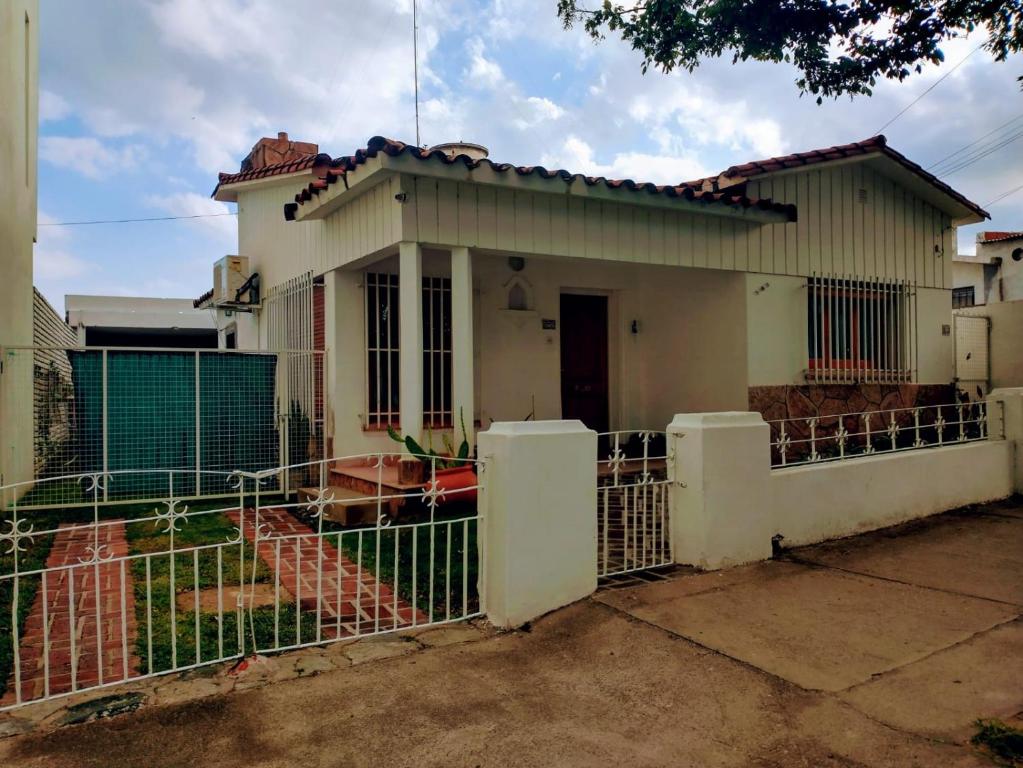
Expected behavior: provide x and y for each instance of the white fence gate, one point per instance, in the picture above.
(633, 502)
(98, 594)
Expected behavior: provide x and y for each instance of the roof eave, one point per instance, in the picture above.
(228, 193)
(961, 210)
(341, 191)
(485, 174)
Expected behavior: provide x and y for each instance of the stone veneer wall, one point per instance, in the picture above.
(805, 401)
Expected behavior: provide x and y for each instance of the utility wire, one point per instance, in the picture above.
(132, 221)
(962, 149)
(981, 154)
(1004, 195)
(934, 85)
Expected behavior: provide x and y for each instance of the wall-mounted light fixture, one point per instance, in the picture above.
(516, 263)
(401, 197)
(761, 289)
(634, 327)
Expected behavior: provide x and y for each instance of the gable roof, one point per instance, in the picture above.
(330, 170)
(876, 145)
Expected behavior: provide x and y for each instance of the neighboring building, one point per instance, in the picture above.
(819, 282)
(988, 301)
(993, 274)
(19, 21)
(52, 387)
(133, 321)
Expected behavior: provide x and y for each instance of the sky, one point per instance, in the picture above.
(142, 102)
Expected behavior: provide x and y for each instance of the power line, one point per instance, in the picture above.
(1004, 195)
(933, 86)
(132, 221)
(981, 154)
(962, 149)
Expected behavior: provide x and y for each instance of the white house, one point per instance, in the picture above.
(816, 281)
(993, 274)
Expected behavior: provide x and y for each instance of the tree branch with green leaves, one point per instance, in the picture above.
(839, 48)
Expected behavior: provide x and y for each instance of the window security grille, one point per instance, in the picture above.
(963, 297)
(383, 353)
(860, 330)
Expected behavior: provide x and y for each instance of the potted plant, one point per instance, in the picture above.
(453, 473)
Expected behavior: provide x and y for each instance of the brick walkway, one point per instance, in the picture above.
(116, 628)
(357, 596)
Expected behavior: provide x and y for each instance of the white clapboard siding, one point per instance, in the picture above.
(891, 234)
(280, 250)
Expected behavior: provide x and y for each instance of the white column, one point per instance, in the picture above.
(1005, 419)
(539, 505)
(462, 388)
(345, 343)
(410, 337)
(721, 505)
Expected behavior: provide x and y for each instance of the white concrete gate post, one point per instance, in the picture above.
(539, 504)
(719, 509)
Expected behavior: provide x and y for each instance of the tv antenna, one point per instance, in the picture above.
(415, 65)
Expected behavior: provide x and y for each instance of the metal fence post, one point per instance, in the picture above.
(198, 432)
(106, 426)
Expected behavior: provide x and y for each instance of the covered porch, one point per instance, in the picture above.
(513, 336)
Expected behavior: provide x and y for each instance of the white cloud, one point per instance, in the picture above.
(53, 258)
(217, 221)
(535, 110)
(89, 156)
(578, 156)
(52, 106)
(482, 72)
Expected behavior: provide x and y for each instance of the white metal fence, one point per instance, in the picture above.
(103, 594)
(633, 500)
(849, 435)
(108, 410)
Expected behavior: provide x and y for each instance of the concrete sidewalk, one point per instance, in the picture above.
(875, 651)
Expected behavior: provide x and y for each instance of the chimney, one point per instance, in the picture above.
(269, 151)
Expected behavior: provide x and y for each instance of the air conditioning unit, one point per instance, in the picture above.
(229, 274)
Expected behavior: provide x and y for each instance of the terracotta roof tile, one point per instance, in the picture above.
(998, 237)
(331, 171)
(275, 169)
(202, 300)
(875, 144)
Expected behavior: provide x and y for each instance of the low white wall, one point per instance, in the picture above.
(825, 501)
(728, 502)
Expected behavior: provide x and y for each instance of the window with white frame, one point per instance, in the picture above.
(383, 351)
(860, 330)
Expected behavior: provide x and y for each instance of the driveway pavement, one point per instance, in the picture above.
(874, 651)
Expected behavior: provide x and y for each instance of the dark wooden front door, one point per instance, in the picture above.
(584, 390)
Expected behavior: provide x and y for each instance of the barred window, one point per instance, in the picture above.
(383, 351)
(860, 330)
(963, 297)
